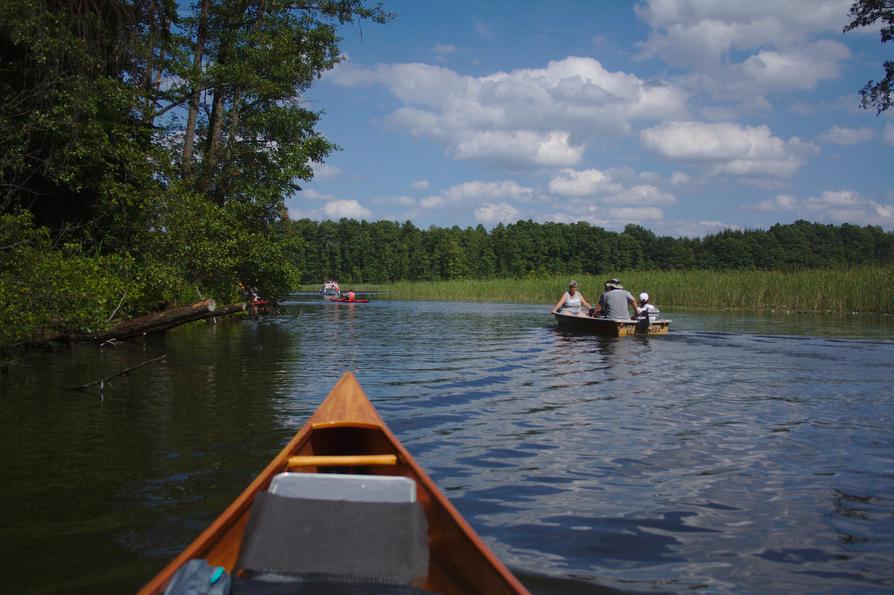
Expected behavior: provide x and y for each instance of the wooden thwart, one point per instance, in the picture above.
(341, 461)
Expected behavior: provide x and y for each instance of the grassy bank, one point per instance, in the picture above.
(869, 289)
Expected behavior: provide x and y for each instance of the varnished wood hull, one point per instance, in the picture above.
(347, 424)
(609, 327)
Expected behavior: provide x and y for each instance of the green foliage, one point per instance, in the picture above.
(94, 148)
(862, 289)
(47, 293)
(254, 138)
(66, 116)
(196, 246)
(382, 252)
(865, 13)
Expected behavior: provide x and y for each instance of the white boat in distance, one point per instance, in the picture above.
(330, 289)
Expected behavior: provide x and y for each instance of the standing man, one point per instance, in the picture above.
(613, 303)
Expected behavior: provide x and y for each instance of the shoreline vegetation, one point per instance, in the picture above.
(864, 290)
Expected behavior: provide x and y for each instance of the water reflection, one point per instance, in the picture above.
(710, 458)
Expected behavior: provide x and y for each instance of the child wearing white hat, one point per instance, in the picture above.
(645, 308)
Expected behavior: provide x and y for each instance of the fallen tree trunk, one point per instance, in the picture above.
(168, 322)
(144, 325)
(157, 321)
(226, 310)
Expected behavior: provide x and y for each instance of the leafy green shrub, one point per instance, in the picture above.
(46, 292)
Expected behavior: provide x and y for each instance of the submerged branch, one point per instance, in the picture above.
(101, 382)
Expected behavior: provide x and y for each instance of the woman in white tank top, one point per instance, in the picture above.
(571, 301)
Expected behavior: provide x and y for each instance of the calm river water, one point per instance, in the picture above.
(740, 453)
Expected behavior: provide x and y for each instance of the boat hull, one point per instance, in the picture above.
(347, 424)
(609, 327)
(347, 301)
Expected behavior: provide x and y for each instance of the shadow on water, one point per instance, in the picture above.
(735, 454)
(181, 438)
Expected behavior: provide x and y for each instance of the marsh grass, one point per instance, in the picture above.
(866, 289)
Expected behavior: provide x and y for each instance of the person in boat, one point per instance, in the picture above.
(645, 308)
(571, 301)
(613, 302)
(252, 295)
(351, 295)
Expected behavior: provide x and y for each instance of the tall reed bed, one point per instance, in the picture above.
(867, 289)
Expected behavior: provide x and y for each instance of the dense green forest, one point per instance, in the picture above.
(385, 251)
(148, 147)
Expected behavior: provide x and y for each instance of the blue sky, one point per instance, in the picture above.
(684, 116)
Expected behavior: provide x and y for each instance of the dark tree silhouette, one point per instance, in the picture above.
(864, 13)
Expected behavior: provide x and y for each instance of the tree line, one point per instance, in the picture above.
(387, 251)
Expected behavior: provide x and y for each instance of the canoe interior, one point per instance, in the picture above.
(459, 562)
(609, 327)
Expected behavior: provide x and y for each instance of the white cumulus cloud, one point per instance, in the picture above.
(841, 135)
(729, 148)
(799, 68)
(692, 31)
(609, 217)
(836, 199)
(479, 190)
(336, 209)
(834, 206)
(402, 201)
(323, 171)
(534, 116)
(784, 38)
(781, 202)
(888, 134)
(491, 214)
(636, 213)
(579, 183)
(680, 178)
(310, 193)
(431, 202)
(518, 147)
(691, 228)
(333, 208)
(642, 194)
